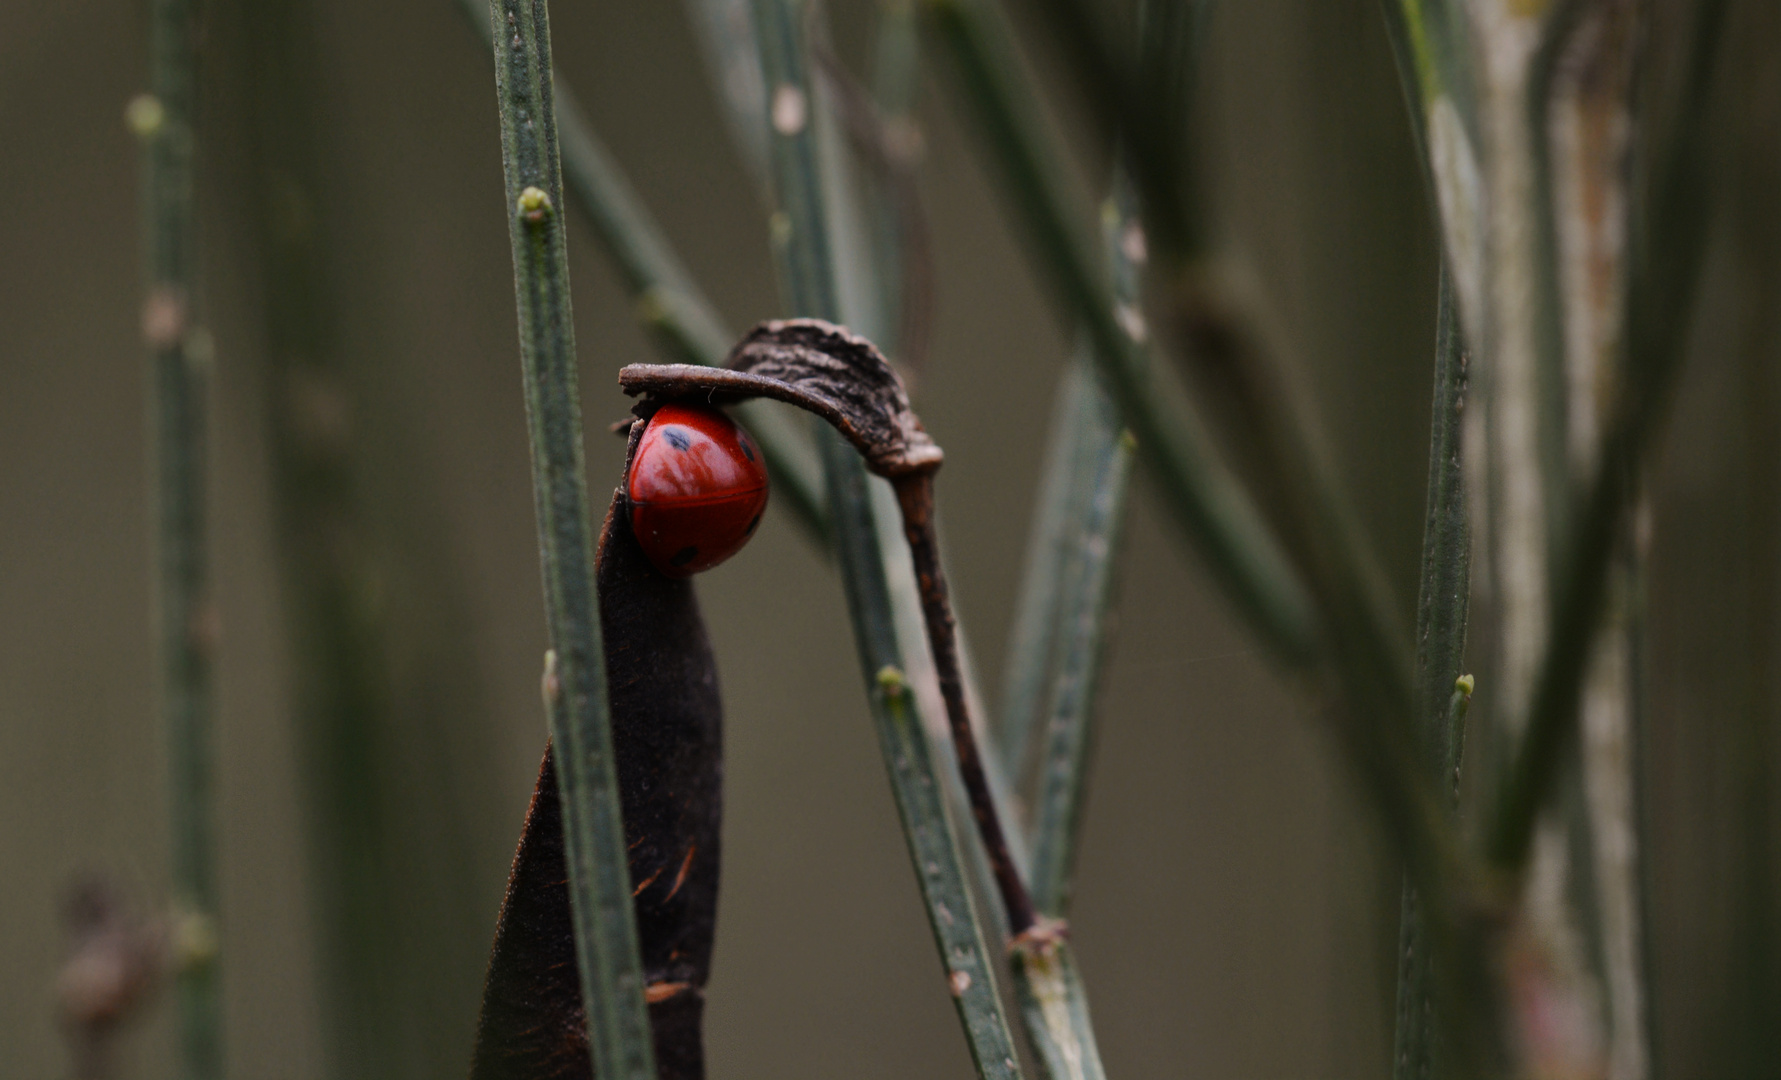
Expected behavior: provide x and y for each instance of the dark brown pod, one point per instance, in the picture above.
(667, 722)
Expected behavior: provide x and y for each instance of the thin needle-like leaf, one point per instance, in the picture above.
(620, 1042)
(1048, 986)
(1096, 517)
(1032, 639)
(1442, 606)
(1091, 488)
(1063, 766)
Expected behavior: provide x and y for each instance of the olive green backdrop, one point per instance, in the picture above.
(1234, 916)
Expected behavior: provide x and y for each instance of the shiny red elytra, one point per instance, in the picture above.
(697, 489)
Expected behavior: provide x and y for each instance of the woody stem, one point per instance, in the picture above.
(915, 497)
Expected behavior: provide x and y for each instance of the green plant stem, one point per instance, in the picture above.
(1053, 1001)
(668, 301)
(1375, 703)
(725, 30)
(881, 270)
(802, 246)
(1032, 639)
(179, 367)
(1100, 477)
(1442, 605)
(1665, 264)
(899, 234)
(1052, 1004)
(915, 780)
(1429, 42)
(619, 1037)
(1198, 490)
(1549, 298)
(1048, 988)
(892, 271)
(342, 703)
(1237, 374)
(1063, 767)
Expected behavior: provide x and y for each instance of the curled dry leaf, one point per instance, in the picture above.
(826, 369)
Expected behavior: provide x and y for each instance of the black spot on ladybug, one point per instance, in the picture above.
(747, 451)
(678, 440)
(750, 530)
(686, 554)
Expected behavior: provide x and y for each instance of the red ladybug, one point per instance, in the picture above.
(697, 488)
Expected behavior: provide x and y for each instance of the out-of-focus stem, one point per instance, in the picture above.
(899, 230)
(1581, 108)
(337, 639)
(1198, 489)
(725, 30)
(1665, 258)
(179, 367)
(1376, 693)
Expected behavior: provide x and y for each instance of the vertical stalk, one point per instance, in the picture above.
(801, 244)
(1032, 637)
(1666, 249)
(725, 30)
(1063, 769)
(337, 641)
(888, 286)
(1053, 1001)
(1255, 566)
(1582, 91)
(619, 1036)
(669, 302)
(179, 362)
(1100, 478)
(1203, 495)
(899, 235)
(1441, 609)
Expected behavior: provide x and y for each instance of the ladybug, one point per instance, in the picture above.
(697, 489)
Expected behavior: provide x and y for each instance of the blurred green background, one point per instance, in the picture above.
(1234, 915)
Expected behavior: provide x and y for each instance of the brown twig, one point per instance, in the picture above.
(915, 497)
